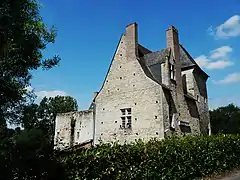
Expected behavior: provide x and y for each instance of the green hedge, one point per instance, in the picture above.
(175, 158)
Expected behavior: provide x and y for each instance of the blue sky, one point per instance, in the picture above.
(88, 33)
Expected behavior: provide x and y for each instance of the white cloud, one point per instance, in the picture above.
(42, 94)
(218, 59)
(220, 52)
(230, 28)
(221, 64)
(231, 78)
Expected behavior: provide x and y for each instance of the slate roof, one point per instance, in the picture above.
(148, 59)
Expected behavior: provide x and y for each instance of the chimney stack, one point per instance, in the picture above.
(173, 44)
(132, 40)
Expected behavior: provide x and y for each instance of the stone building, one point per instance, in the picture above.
(144, 95)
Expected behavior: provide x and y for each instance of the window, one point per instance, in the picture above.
(129, 121)
(172, 72)
(57, 138)
(198, 99)
(123, 122)
(77, 135)
(129, 111)
(126, 118)
(205, 100)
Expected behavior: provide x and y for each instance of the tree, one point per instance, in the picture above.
(225, 119)
(23, 37)
(43, 115)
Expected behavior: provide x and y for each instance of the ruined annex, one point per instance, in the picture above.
(144, 95)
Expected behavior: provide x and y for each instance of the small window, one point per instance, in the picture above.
(123, 122)
(120, 54)
(101, 122)
(126, 118)
(134, 74)
(123, 111)
(205, 100)
(172, 71)
(135, 103)
(115, 121)
(156, 101)
(120, 77)
(77, 135)
(129, 111)
(155, 117)
(136, 133)
(198, 99)
(135, 119)
(156, 133)
(133, 85)
(101, 134)
(103, 109)
(120, 66)
(129, 123)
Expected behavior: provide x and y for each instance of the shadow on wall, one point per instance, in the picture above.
(192, 107)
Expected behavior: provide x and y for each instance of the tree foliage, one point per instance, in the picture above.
(23, 37)
(225, 119)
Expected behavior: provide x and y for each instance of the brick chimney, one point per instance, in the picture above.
(173, 44)
(132, 40)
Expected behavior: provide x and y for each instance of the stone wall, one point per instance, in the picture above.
(127, 86)
(75, 126)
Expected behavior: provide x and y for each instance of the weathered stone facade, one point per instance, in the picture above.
(145, 95)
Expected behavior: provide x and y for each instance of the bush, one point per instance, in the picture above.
(174, 158)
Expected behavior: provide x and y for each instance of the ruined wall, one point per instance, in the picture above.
(82, 128)
(126, 86)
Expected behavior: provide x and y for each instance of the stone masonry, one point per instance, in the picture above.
(144, 95)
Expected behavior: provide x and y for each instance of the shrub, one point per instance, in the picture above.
(174, 158)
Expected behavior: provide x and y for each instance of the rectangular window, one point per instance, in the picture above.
(129, 111)
(126, 118)
(129, 124)
(77, 135)
(123, 122)
(123, 111)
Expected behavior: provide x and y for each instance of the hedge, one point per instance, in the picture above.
(174, 158)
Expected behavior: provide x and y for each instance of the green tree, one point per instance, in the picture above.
(23, 37)
(225, 119)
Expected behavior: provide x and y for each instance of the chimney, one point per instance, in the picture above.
(132, 40)
(173, 44)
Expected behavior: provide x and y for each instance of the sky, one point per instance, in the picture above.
(88, 33)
